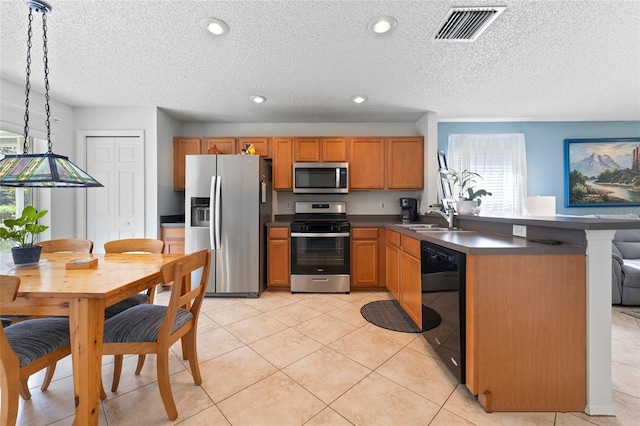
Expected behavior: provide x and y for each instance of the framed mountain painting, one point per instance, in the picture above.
(602, 172)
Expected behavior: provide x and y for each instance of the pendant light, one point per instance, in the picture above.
(41, 170)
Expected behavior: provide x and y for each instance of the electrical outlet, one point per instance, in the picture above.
(287, 205)
(520, 231)
(382, 207)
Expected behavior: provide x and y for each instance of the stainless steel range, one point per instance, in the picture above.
(320, 248)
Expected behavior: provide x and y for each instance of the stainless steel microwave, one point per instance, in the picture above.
(321, 178)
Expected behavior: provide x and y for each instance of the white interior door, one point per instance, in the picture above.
(117, 210)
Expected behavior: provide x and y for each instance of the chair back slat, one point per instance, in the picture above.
(8, 288)
(70, 245)
(9, 360)
(177, 271)
(134, 245)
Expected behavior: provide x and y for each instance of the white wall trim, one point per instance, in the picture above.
(599, 385)
(81, 161)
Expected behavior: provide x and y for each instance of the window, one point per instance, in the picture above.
(501, 161)
(13, 200)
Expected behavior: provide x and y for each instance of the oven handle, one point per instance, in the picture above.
(319, 234)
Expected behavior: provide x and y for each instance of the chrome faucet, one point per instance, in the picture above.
(449, 217)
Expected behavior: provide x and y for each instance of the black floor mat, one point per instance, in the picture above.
(390, 315)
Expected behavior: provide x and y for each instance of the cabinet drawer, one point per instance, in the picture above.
(393, 237)
(410, 245)
(364, 233)
(279, 233)
(172, 233)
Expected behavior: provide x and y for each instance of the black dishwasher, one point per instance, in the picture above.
(443, 304)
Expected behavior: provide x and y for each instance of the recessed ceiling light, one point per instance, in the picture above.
(258, 99)
(214, 26)
(359, 99)
(382, 24)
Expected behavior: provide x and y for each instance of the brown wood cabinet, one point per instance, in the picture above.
(334, 150)
(526, 332)
(306, 149)
(261, 145)
(393, 263)
(221, 145)
(405, 163)
(410, 279)
(367, 248)
(366, 165)
(403, 274)
(375, 163)
(314, 149)
(181, 148)
(278, 258)
(173, 237)
(282, 163)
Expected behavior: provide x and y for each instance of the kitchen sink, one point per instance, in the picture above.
(438, 229)
(416, 226)
(425, 228)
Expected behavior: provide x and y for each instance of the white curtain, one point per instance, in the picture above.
(501, 161)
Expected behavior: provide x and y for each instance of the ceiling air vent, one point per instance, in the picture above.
(466, 23)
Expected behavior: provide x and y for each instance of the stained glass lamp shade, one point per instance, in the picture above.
(43, 170)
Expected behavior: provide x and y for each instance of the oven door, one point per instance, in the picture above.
(322, 253)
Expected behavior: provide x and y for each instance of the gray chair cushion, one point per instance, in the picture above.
(627, 241)
(141, 324)
(32, 339)
(615, 251)
(122, 306)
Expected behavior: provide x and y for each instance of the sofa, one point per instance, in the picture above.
(625, 250)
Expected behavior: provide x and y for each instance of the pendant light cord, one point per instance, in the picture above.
(28, 85)
(46, 81)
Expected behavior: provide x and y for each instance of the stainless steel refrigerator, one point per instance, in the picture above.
(227, 205)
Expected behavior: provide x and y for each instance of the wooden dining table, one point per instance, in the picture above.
(49, 288)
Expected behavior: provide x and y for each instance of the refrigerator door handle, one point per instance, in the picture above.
(218, 211)
(212, 205)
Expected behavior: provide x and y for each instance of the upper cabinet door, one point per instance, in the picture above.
(366, 165)
(219, 146)
(334, 150)
(261, 145)
(282, 164)
(181, 148)
(405, 163)
(307, 150)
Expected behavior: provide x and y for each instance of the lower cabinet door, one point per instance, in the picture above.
(364, 265)
(411, 287)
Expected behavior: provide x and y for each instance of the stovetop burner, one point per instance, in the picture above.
(320, 217)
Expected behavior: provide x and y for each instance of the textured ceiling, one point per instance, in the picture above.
(540, 60)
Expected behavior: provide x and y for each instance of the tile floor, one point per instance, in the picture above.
(308, 359)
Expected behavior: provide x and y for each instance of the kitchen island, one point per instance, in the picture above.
(590, 237)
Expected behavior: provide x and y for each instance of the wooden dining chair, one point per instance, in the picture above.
(62, 245)
(26, 347)
(134, 245)
(152, 329)
(131, 245)
(70, 245)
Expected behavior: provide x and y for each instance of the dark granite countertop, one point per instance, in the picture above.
(174, 220)
(474, 242)
(478, 241)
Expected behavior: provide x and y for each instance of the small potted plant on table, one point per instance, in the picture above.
(23, 231)
(469, 197)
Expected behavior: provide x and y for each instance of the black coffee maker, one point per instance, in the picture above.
(409, 209)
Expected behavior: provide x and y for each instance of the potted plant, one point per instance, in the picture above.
(23, 231)
(469, 198)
